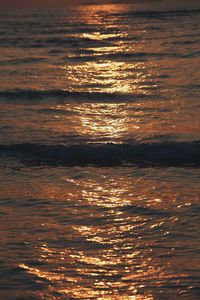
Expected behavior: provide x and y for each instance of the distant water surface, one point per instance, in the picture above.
(99, 153)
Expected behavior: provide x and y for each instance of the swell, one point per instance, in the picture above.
(140, 154)
(165, 13)
(19, 61)
(37, 95)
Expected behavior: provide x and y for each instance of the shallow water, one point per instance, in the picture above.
(99, 153)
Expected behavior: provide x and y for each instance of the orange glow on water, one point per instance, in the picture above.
(100, 75)
(107, 252)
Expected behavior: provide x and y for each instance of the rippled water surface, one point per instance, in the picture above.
(99, 153)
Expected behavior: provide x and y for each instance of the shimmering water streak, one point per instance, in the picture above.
(104, 75)
(94, 118)
(104, 50)
(98, 74)
(87, 233)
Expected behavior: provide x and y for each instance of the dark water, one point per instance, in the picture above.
(100, 153)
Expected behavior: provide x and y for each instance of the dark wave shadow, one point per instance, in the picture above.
(139, 154)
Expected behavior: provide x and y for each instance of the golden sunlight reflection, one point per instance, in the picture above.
(118, 122)
(95, 14)
(106, 60)
(100, 122)
(107, 122)
(99, 226)
(98, 36)
(103, 268)
(109, 76)
(78, 223)
(96, 269)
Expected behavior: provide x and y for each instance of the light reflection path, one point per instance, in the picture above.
(101, 68)
(101, 235)
(110, 77)
(91, 233)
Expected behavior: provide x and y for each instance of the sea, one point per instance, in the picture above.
(100, 152)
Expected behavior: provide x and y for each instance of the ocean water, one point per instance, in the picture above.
(100, 153)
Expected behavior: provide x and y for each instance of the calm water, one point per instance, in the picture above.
(99, 153)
